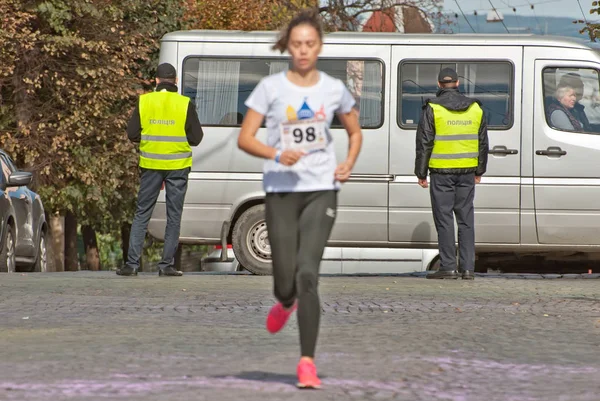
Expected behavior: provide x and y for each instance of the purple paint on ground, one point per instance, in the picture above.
(126, 385)
(512, 369)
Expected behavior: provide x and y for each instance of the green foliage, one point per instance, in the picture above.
(111, 254)
(592, 29)
(243, 15)
(72, 71)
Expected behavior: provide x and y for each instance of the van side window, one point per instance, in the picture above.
(489, 82)
(219, 87)
(572, 99)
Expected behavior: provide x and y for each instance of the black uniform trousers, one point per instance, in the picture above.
(452, 195)
(150, 186)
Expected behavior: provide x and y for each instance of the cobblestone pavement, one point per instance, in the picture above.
(98, 336)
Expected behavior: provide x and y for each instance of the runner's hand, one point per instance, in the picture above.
(290, 157)
(342, 172)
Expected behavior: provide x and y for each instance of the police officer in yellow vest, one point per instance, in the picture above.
(452, 143)
(166, 125)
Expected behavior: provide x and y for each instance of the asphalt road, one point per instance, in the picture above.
(98, 336)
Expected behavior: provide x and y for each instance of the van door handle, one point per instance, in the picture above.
(502, 150)
(551, 151)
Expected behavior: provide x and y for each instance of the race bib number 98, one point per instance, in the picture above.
(306, 135)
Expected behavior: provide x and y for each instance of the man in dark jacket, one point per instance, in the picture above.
(166, 126)
(452, 143)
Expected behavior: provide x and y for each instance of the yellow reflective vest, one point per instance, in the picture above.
(456, 143)
(164, 144)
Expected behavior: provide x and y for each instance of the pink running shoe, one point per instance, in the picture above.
(307, 375)
(278, 317)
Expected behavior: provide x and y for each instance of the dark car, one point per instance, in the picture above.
(23, 228)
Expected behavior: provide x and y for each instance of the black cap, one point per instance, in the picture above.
(447, 75)
(166, 70)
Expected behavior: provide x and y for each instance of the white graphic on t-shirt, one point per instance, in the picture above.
(304, 129)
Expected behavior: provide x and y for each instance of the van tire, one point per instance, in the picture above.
(434, 265)
(250, 241)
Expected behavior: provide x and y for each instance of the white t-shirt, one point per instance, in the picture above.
(281, 101)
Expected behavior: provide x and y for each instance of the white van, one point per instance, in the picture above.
(542, 188)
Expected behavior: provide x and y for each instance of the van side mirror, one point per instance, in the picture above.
(19, 179)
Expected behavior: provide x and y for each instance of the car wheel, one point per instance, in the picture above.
(8, 261)
(41, 263)
(250, 241)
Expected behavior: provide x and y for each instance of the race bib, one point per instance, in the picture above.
(306, 135)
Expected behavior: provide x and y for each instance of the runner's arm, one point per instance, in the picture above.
(247, 140)
(248, 143)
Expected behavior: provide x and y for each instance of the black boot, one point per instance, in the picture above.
(468, 275)
(443, 274)
(169, 271)
(126, 271)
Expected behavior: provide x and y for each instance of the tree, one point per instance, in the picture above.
(350, 15)
(242, 15)
(92, 254)
(338, 15)
(72, 73)
(592, 29)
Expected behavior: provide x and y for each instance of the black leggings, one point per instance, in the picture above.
(299, 225)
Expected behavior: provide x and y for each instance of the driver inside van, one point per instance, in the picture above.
(574, 81)
(561, 112)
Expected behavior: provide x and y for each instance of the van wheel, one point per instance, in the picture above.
(250, 241)
(8, 261)
(434, 265)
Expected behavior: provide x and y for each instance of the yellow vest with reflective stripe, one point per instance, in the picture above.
(164, 145)
(456, 143)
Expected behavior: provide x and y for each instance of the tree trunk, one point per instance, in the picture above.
(57, 243)
(92, 254)
(71, 260)
(125, 232)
